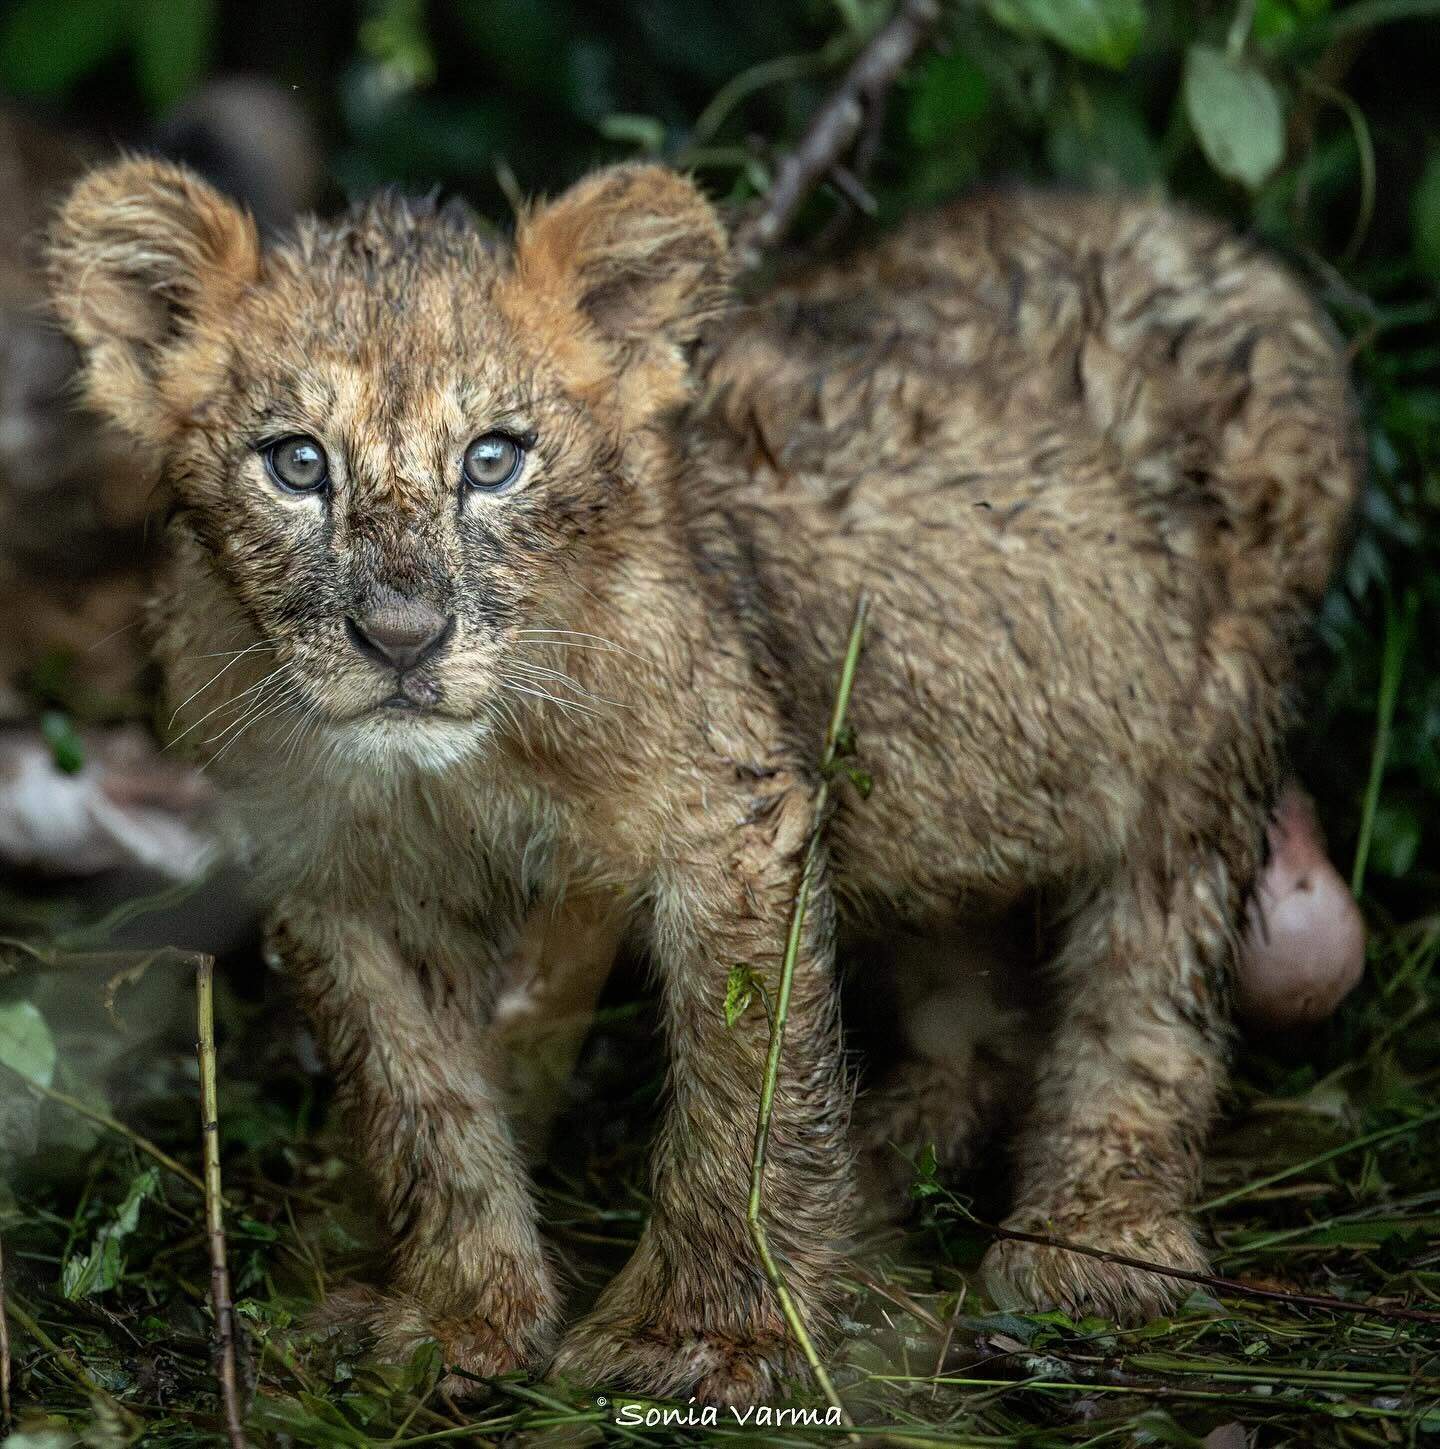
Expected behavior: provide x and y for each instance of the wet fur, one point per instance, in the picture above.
(1089, 457)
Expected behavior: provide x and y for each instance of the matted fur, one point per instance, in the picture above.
(1090, 458)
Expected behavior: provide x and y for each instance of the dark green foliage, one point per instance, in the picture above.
(1315, 125)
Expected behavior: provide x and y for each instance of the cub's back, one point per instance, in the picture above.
(1021, 425)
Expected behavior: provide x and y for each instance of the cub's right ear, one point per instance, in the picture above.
(141, 254)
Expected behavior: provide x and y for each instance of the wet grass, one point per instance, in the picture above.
(1320, 1182)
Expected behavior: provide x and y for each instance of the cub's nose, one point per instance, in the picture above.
(400, 633)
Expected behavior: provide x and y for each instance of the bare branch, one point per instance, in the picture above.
(4, 1353)
(836, 126)
(1234, 1287)
(220, 1302)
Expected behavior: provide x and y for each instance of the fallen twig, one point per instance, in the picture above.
(220, 1303)
(1233, 1286)
(782, 1009)
(836, 125)
(4, 1350)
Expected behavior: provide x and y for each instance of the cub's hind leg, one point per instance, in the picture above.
(1110, 1154)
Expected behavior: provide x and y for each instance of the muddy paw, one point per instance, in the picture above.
(476, 1344)
(717, 1368)
(1031, 1276)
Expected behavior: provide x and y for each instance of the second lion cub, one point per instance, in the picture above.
(488, 594)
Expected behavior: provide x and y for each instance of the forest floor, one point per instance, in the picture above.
(1320, 1181)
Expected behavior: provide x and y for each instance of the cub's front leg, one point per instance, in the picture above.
(405, 1040)
(692, 1311)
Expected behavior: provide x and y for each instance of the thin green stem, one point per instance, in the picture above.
(67, 1360)
(1383, 1135)
(4, 1351)
(104, 1119)
(782, 1011)
(1397, 643)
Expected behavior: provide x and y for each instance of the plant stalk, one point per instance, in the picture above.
(220, 1303)
(782, 1011)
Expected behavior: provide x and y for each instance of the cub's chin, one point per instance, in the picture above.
(407, 739)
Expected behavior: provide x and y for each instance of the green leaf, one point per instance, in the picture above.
(65, 747)
(1396, 840)
(950, 93)
(45, 48)
(102, 1268)
(26, 1046)
(644, 132)
(1425, 219)
(927, 1168)
(1159, 1428)
(1236, 114)
(1106, 31)
(862, 780)
(740, 988)
(173, 41)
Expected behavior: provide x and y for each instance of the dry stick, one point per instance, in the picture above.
(782, 1011)
(1233, 1286)
(4, 1351)
(836, 125)
(220, 1303)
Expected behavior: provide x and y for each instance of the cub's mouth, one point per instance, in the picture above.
(412, 694)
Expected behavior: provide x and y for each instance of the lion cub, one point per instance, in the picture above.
(489, 594)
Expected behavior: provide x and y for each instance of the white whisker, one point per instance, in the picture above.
(224, 668)
(559, 636)
(224, 704)
(536, 671)
(565, 705)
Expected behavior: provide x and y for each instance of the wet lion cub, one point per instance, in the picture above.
(507, 579)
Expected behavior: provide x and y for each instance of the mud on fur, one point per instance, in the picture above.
(1091, 460)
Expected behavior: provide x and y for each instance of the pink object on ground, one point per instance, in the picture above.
(1304, 945)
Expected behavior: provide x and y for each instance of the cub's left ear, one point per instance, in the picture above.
(637, 251)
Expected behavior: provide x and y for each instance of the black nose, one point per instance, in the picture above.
(401, 632)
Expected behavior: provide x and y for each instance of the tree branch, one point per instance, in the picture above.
(220, 1301)
(836, 126)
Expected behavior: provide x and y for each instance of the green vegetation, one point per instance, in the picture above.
(1317, 126)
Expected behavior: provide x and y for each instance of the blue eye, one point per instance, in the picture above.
(493, 462)
(298, 464)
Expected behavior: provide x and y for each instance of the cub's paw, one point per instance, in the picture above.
(478, 1343)
(724, 1369)
(1022, 1276)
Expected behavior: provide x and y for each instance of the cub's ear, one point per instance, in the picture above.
(140, 254)
(637, 251)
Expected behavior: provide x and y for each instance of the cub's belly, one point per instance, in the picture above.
(1014, 743)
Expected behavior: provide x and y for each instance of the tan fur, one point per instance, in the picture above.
(1090, 458)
